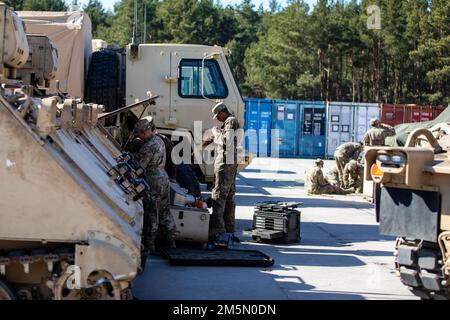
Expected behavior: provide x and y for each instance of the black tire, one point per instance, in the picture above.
(417, 278)
(104, 81)
(5, 292)
(187, 179)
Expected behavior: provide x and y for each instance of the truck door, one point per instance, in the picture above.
(187, 103)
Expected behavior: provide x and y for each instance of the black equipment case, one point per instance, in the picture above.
(276, 221)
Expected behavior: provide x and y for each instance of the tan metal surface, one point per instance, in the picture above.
(70, 32)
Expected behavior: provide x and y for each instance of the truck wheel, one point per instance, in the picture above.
(5, 292)
(104, 84)
(420, 269)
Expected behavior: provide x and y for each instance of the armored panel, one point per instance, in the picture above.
(413, 214)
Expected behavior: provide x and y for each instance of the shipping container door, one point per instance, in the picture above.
(285, 121)
(339, 125)
(265, 118)
(363, 112)
(251, 125)
(312, 132)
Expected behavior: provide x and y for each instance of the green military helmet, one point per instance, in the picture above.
(353, 164)
(319, 162)
(144, 124)
(374, 122)
(219, 107)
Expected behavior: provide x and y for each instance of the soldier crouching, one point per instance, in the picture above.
(317, 184)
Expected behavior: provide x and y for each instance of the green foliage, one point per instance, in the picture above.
(296, 52)
(98, 15)
(45, 5)
(16, 4)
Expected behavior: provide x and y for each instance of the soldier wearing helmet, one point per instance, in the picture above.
(353, 175)
(316, 183)
(377, 135)
(343, 154)
(158, 221)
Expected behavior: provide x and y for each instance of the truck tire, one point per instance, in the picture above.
(5, 292)
(187, 179)
(420, 269)
(104, 80)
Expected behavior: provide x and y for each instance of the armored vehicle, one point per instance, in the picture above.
(70, 209)
(414, 206)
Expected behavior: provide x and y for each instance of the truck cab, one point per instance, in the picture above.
(189, 80)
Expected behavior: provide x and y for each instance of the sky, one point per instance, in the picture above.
(109, 4)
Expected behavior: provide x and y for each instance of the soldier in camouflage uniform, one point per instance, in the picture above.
(225, 169)
(376, 135)
(343, 154)
(158, 220)
(315, 182)
(333, 177)
(353, 175)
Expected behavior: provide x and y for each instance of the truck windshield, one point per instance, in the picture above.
(190, 82)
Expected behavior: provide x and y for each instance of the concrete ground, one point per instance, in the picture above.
(341, 255)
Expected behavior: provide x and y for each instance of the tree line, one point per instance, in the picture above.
(337, 50)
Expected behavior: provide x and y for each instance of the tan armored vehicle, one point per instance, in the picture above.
(70, 208)
(189, 79)
(414, 206)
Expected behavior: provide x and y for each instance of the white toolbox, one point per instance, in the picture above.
(192, 223)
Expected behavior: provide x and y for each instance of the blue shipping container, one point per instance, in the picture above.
(257, 126)
(285, 120)
(312, 134)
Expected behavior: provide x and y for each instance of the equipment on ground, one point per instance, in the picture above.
(414, 206)
(276, 221)
(218, 257)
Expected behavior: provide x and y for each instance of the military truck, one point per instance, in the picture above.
(189, 79)
(71, 212)
(414, 205)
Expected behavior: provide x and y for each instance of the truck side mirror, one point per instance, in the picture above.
(215, 56)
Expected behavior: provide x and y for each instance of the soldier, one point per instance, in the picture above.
(134, 146)
(225, 169)
(353, 175)
(158, 220)
(316, 183)
(376, 135)
(343, 154)
(333, 177)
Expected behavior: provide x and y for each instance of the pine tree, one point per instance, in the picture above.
(98, 15)
(45, 5)
(247, 26)
(15, 4)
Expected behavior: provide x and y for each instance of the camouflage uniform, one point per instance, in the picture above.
(343, 154)
(316, 183)
(353, 176)
(376, 136)
(225, 169)
(169, 166)
(333, 177)
(158, 219)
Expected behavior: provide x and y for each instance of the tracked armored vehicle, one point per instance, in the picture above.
(70, 202)
(414, 206)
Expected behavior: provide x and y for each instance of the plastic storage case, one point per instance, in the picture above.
(192, 224)
(276, 221)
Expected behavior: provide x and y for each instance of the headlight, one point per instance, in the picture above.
(384, 158)
(398, 159)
